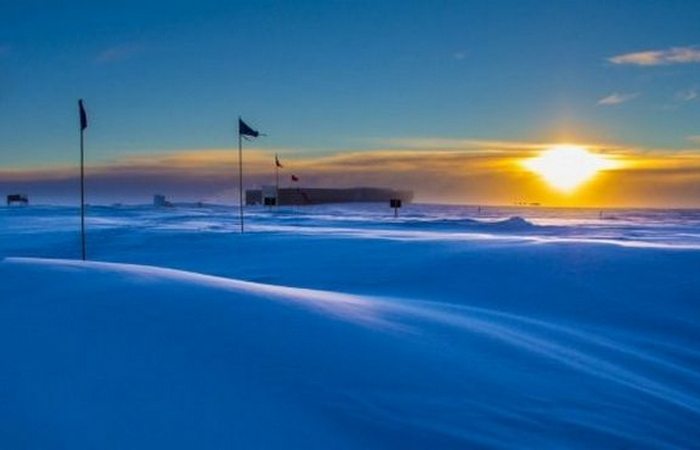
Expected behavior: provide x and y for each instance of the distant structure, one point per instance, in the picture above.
(395, 203)
(159, 201)
(270, 196)
(17, 199)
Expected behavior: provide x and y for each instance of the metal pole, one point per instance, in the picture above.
(240, 176)
(277, 183)
(82, 194)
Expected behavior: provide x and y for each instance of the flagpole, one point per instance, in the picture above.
(82, 192)
(240, 174)
(277, 182)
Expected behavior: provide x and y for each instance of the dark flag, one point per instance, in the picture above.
(295, 178)
(83, 115)
(278, 163)
(83, 126)
(245, 130)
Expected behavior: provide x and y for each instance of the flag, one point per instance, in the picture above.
(83, 115)
(278, 163)
(245, 130)
(295, 178)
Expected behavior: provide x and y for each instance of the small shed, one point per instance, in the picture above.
(160, 201)
(17, 199)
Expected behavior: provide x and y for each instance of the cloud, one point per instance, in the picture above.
(687, 95)
(674, 55)
(617, 98)
(694, 139)
(118, 53)
(459, 55)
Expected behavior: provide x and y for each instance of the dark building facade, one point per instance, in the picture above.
(316, 196)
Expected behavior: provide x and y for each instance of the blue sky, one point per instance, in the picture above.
(324, 77)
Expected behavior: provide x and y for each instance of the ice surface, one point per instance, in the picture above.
(341, 327)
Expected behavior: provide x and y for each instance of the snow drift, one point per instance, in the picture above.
(528, 328)
(101, 355)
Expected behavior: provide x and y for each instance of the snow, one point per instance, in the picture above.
(341, 327)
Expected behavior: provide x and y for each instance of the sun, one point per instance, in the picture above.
(566, 167)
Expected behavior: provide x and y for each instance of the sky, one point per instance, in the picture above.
(442, 97)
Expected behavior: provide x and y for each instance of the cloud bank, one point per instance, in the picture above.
(437, 170)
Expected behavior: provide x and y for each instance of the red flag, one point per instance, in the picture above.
(295, 178)
(277, 162)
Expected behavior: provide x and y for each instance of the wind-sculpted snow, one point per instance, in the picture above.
(345, 328)
(634, 228)
(159, 357)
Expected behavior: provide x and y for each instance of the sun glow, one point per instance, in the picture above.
(566, 167)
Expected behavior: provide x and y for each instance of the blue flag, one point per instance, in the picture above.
(83, 115)
(245, 130)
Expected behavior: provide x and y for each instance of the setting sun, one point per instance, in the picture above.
(566, 167)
